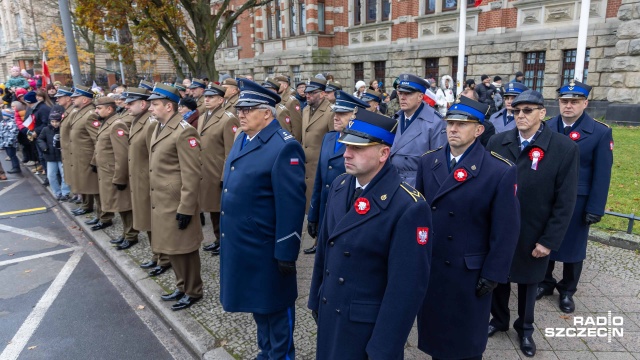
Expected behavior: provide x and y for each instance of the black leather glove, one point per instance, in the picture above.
(94, 168)
(183, 220)
(287, 267)
(312, 229)
(485, 286)
(314, 314)
(591, 219)
(221, 184)
(120, 187)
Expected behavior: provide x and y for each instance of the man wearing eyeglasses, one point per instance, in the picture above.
(317, 120)
(547, 165)
(262, 212)
(197, 91)
(504, 120)
(595, 141)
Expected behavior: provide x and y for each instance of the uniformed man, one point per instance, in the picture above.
(140, 134)
(261, 228)
(476, 223)
(331, 162)
(174, 172)
(301, 86)
(503, 120)
(420, 127)
(317, 120)
(231, 94)
(542, 157)
(291, 102)
(146, 85)
(330, 90)
(283, 115)
(374, 251)
(595, 142)
(83, 132)
(373, 98)
(197, 90)
(111, 159)
(63, 98)
(181, 89)
(217, 129)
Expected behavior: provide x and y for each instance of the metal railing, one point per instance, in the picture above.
(632, 218)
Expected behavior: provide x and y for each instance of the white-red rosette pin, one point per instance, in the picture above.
(460, 175)
(536, 154)
(574, 135)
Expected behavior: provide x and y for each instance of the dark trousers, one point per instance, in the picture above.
(160, 259)
(87, 202)
(526, 306)
(570, 277)
(187, 270)
(104, 217)
(275, 334)
(28, 151)
(11, 153)
(128, 232)
(215, 221)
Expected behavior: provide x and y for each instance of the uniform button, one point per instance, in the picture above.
(347, 254)
(341, 281)
(338, 311)
(233, 168)
(450, 213)
(433, 208)
(324, 300)
(151, 189)
(450, 237)
(225, 190)
(150, 170)
(447, 262)
(326, 186)
(222, 213)
(327, 272)
(153, 207)
(331, 243)
(222, 235)
(330, 167)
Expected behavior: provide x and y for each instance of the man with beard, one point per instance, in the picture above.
(293, 104)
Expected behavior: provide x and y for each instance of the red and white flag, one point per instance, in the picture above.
(46, 76)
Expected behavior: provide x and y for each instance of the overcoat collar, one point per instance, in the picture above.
(512, 141)
(172, 124)
(471, 163)
(263, 136)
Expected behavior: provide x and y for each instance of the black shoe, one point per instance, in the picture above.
(92, 221)
(542, 291)
(493, 330)
(158, 270)
(80, 211)
(45, 183)
(64, 198)
(14, 171)
(76, 200)
(211, 247)
(149, 264)
(117, 241)
(567, 305)
(216, 251)
(174, 296)
(185, 302)
(126, 244)
(311, 250)
(527, 346)
(100, 226)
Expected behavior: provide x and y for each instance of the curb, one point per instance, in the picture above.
(619, 239)
(194, 336)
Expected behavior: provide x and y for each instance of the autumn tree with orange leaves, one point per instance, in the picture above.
(55, 47)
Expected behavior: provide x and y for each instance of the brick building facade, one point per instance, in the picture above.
(367, 39)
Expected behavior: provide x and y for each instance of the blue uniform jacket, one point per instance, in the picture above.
(330, 165)
(426, 132)
(476, 223)
(595, 143)
(262, 211)
(371, 270)
(498, 120)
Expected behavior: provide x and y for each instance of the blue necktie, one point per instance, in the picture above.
(245, 141)
(524, 145)
(509, 119)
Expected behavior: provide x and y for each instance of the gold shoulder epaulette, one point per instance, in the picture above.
(415, 194)
(602, 122)
(430, 151)
(500, 157)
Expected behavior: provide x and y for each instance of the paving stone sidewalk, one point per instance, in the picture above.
(610, 282)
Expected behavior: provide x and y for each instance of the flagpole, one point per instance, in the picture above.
(462, 33)
(65, 16)
(581, 49)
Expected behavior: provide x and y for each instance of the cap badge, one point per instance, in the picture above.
(422, 235)
(405, 77)
(383, 197)
(574, 135)
(473, 167)
(536, 155)
(460, 175)
(241, 83)
(572, 85)
(350, 123)
(362, 206)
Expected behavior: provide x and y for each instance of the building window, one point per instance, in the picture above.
(273, 20)
(379, 70)
(371, 10)
(386, 9)
(298, 17)
(297, 76)
(357, 9)
(430, 7)
(534, 69)
(113, 65)
(448, 5)
(569, 66)
(270, 71)
(321, 17)
(148, 67)
(358, 72)
(454, 68)
(431, 68)
(19, 25)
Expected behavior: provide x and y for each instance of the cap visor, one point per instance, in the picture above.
(247, 103)
(571, 96)
(156, 96)
(311, 88)
(351, 139)
(73, 95)
(407, 89)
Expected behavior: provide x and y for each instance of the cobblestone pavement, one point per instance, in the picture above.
(610, 282)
